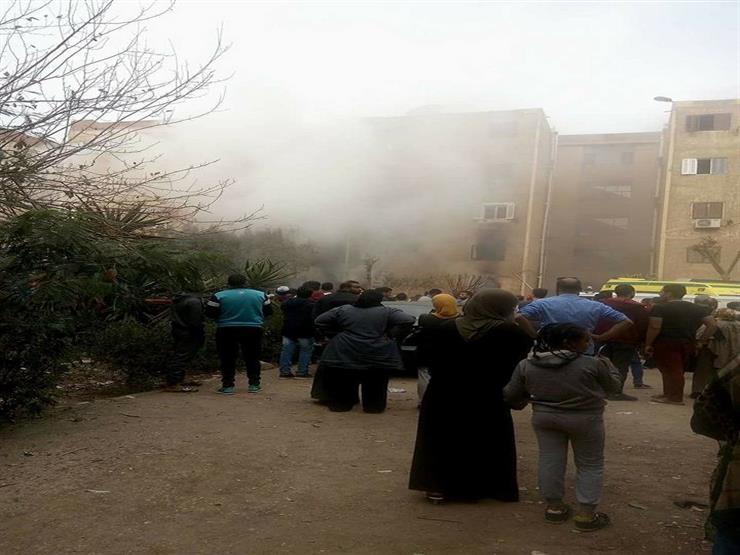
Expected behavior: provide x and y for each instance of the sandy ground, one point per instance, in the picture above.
(274, 473)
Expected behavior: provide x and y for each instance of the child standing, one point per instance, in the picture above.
(567, 390)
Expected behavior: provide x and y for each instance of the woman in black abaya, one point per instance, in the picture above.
(465, 446)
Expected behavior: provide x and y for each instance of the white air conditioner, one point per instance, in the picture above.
(709, 223)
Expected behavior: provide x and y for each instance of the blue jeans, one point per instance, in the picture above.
(636, 369)
(305, 344)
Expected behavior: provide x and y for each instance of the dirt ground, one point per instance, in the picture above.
(160, 473)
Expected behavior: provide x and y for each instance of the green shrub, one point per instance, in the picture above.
(273, 338)
(31, 360)
(141, 352)
(80, 280)
(138, 351)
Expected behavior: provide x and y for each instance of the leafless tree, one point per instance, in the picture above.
(709, 249)
(369, 262)
(465, 282)
(79, 87)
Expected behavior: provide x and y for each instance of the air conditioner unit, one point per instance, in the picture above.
(712, 223)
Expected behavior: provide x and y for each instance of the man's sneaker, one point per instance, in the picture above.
(227, 390)
(666, 401)
(254, 388)
(621, 397)
(643, 386)
(557, 514)
(288, 375)
(434, 497)
(304, 375)
(591, 523)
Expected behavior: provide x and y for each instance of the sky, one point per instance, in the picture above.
(592, 66)
(303, 75)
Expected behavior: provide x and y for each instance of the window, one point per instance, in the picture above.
(489, 249)
(617, 190)
(708, 122)
(589, 158)
(703, 166)
(490, 245)
(694, 257)
(607, 155)
(588, 252)
(710, 210)
(617, 223)
(718, 166)
(497, 211)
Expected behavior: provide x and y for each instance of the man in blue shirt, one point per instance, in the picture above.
(569, 307)
(240, 313)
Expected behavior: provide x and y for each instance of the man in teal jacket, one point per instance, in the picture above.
(240, 314)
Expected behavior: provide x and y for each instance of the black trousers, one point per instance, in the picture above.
(342, 384)
(621, 355)
(229, 341)
(187, 345)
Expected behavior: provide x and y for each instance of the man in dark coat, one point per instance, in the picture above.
(298, 331)
(188, 335)
(348, 293)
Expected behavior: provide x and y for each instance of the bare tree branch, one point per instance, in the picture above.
(710, 251)
(79, 89)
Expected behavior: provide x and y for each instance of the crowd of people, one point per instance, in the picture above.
(481, 355)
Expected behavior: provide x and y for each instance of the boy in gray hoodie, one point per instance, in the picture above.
(567, 390)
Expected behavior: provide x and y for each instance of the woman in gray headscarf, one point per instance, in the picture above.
(465, 439)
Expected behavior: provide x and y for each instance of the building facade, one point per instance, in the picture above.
(473, 188)
(700, 195)
(602, 213)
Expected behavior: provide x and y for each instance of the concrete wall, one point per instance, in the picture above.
(600, 182)
(678, 231)
(443, 168)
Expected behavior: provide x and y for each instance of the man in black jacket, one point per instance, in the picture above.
(188, 335)
(348, 293)
(298, 331)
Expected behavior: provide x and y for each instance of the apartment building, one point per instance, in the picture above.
(474, 189)
(602, 212)
(700, 197)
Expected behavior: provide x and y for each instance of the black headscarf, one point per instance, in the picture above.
(369, 299)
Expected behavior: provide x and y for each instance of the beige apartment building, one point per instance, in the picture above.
(602, 213)
(472, 188)
(700, 194)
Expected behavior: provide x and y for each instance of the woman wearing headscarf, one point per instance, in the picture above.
(445, 308)
(465, 439)
(361, 352)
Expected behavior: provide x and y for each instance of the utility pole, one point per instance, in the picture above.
(346, 258)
